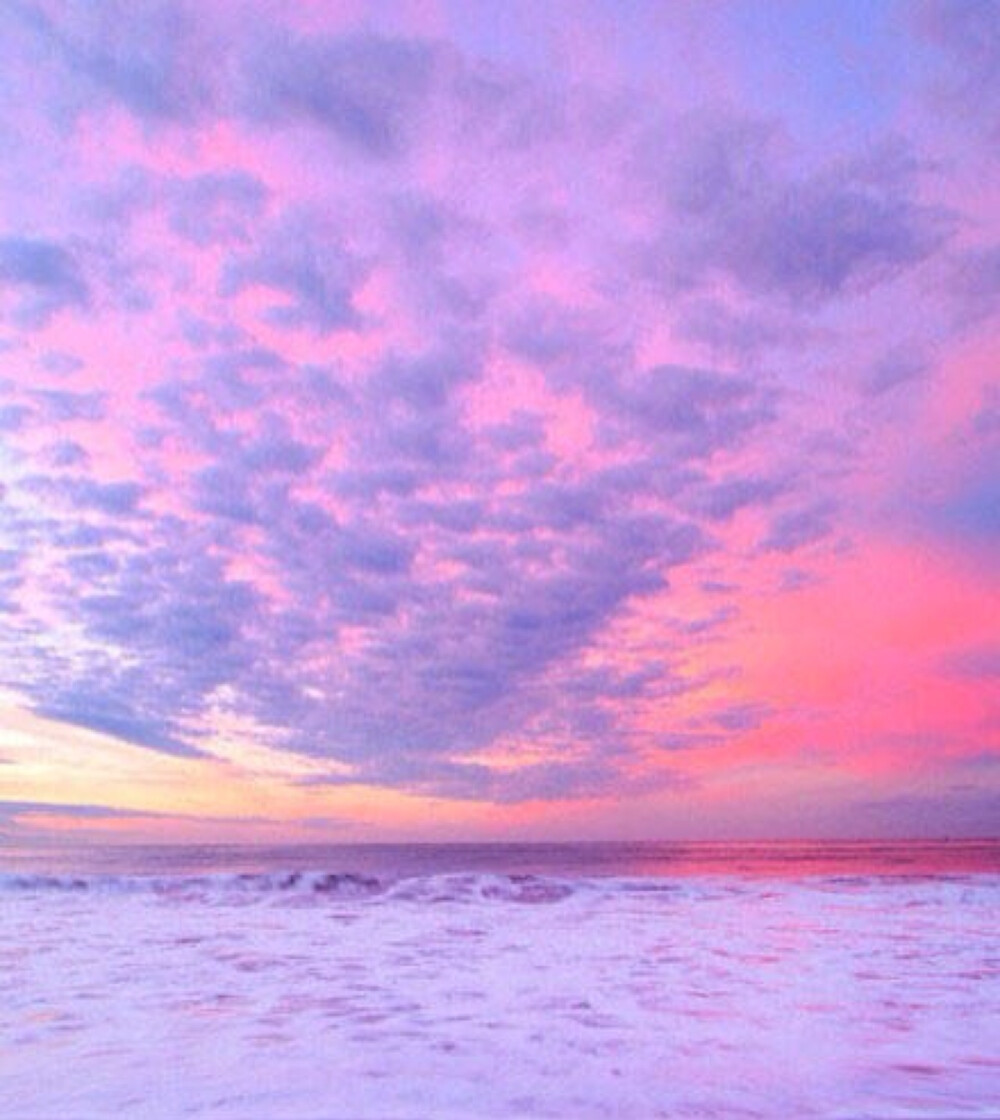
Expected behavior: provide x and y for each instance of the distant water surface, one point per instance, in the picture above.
(785, 859)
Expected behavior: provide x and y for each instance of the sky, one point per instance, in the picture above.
(478, 420)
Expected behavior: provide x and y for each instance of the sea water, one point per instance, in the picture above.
(502, 981)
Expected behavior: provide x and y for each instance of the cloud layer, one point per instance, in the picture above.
(444, 418)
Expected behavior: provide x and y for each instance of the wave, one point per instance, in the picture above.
(318, 882)
(478, 886)
(454, 888)
(531, 889)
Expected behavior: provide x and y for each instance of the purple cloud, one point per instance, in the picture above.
(44, 277)
(365, 90)
(732, 208)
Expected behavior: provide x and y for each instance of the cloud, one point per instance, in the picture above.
(738, 333)
(968, 811)
(719, 501)
(954, 495)
(428, 591)
(986, 421)
(976, 282)
(701, 411)
(44, 277)
(465, 607)
(147, 57)
(364, 90)
(61, 405)
(797, 528)
(971, 510)
(895, 369)
(150, 626)
(106, 714)
(967, 34)
(693, 412)
(10, 810)
(980, 662)
(556, 781)
(13, 417)
(67, 453)
(740, 717)
(309, 266)
(216, 208)
(432, 415)
(61, 363)
(734, 208)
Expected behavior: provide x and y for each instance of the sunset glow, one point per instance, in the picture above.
(418, 422)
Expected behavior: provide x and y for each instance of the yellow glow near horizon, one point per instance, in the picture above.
(243, 783)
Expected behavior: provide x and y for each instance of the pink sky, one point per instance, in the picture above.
(450, 420)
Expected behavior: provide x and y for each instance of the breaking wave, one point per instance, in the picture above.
(529, 889)
(457, 888)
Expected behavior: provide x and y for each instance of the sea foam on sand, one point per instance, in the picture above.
(489, 995)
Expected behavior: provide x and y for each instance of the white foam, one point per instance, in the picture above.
(485, 995)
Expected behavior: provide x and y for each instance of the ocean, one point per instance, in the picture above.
(626, 980)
